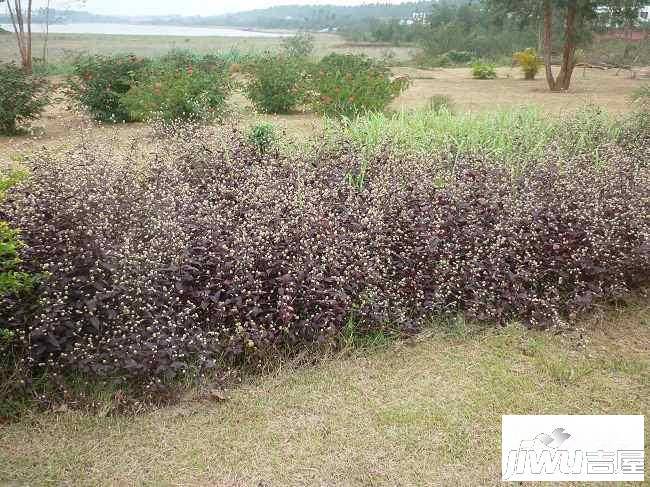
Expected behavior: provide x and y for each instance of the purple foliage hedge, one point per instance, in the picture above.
(215, 253)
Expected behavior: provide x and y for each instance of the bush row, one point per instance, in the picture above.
(129, 88)
(184, 86)
(211, 252)
(189, 86)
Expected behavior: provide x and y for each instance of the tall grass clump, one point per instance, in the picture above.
(641, 98)
(210, 253)
(512, 136)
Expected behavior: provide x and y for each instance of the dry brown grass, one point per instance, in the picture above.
(423, 412)
(598, 87)
(63, 46)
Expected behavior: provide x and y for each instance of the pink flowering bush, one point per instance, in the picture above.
(210, 253)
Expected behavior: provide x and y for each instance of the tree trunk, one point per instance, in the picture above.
(563, 81)
(47, 32)
(548, 44)
(29, 36)
(23, 38)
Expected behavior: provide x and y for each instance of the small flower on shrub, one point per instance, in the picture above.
(23, 97)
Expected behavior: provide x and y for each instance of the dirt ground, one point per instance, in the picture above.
(60, 125)
(590, 86)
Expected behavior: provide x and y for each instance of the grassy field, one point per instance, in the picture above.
(422, 412)
(63, 47)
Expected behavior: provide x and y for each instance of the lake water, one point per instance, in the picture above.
(148, 30)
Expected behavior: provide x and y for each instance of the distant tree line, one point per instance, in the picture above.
(300, 17)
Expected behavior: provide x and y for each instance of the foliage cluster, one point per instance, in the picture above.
(12, 281)
(262, 136)
(22, 97)
(513, 137)
(529, 61)
(346, 84)
(188, 93)
(337, 85)
(126, 88)
(278, 83)
(99, 82)
(484, 70)
(209, 253)
(299, 46)
(641, 98)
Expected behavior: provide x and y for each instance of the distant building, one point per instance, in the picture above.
(638, 32)
(644, 14)
(416, 18)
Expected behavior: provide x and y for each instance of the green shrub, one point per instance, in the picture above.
(100, 82)
(347, 84)
(299, 46)
(529, 61)
(483, 70)
(182, 94)
(22, 97)
(262, 136)
(277, 84)
(12, 281)
(183, 59)
(9, 179)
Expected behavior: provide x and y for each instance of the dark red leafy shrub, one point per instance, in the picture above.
(209, 250)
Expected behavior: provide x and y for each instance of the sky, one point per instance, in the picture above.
(183, 7)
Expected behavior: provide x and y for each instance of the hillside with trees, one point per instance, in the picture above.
(302, 17)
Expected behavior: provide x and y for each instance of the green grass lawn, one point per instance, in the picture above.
(420, 412)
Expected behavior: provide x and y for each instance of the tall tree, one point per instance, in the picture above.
(21, 20)
(574, 14)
